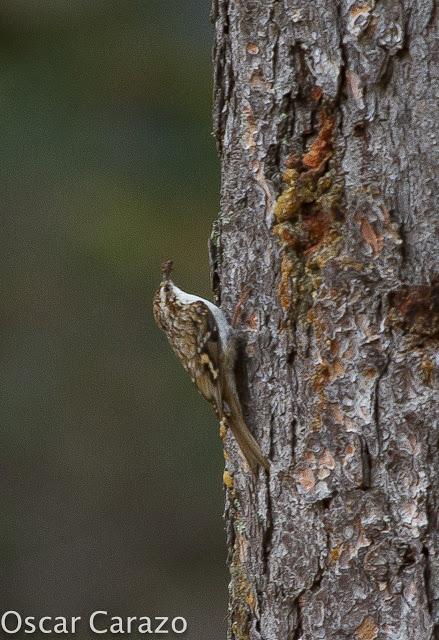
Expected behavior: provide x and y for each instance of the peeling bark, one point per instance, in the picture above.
(326, 255)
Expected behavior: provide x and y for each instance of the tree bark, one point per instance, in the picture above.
(326, 256)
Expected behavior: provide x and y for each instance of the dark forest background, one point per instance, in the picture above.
(111, 463)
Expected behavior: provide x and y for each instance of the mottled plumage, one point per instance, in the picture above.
(203, 341)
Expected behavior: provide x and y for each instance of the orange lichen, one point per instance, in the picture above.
(321, 148)
(317, 227)
(252, 48)
(228, 479)
(368, 629)
(307, 217)
(338, 370)
(288, 203)
(284, 290)
(427, 369)
(252, 322)
(335, 554)
(284, 232)
(319, 411)
(371, 237)
(334, 346)
(359, 9)
(316, 93)
(327, 372)
(250, 599)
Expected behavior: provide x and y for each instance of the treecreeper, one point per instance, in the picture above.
(206, 345)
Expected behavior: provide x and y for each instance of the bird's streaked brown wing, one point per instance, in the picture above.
(208, 374)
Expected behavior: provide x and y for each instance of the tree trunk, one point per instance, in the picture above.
(326, 255)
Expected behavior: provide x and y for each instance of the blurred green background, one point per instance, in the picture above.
(111, 463)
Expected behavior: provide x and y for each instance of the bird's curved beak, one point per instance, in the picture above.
(166, 270)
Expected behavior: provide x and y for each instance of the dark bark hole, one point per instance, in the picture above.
(427, 582)
(241, 373)
(267, 537)
(359, 130)
(298, 632)
(326, 502)
(367, 466)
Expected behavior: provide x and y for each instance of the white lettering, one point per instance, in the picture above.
(75, 619)
(159, 629)
(145, 627)
(4, 624)
(117, 625)
(63, 627)
(41, 626)
(130, 619)
(92, 619)
(29, 624)
(174, 626)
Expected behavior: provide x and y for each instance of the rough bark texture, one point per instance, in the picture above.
(326, 254)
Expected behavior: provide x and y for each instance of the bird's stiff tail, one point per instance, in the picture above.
(244, 438)
(249, 448)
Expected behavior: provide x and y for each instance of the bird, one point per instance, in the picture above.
(206, 345)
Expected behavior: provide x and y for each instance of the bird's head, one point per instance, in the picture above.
(165, 296)
(166, 289)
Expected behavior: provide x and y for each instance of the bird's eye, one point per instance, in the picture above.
(167, 288)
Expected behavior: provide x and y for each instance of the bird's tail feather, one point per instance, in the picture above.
(249, 448)
(248, 445)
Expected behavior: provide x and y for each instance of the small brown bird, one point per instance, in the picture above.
(205, 344)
